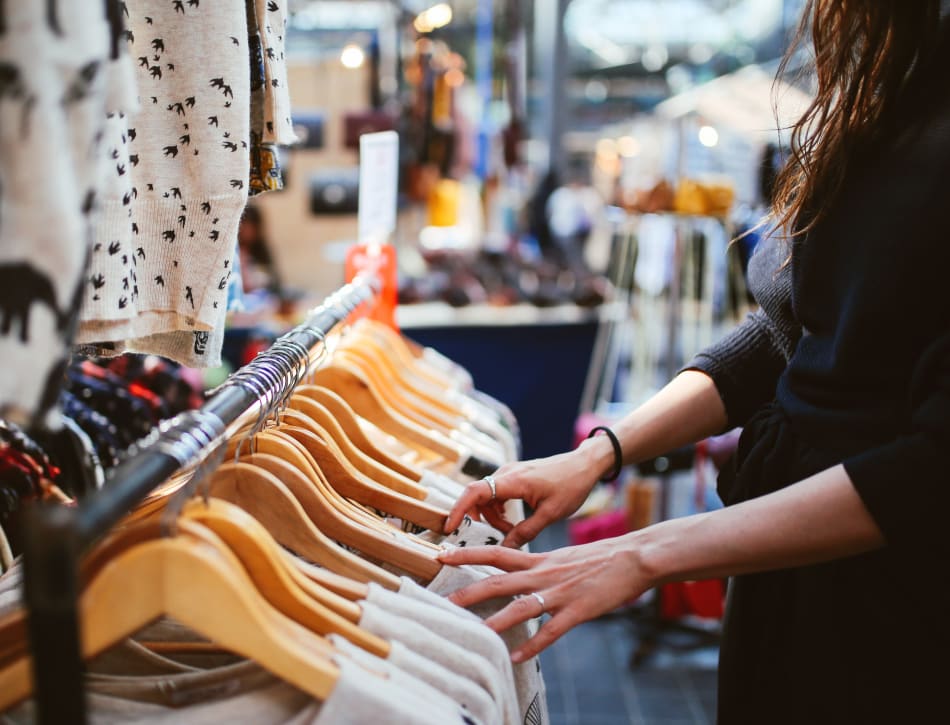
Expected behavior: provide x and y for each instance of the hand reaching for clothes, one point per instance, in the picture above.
(575, 584)
(554, 487)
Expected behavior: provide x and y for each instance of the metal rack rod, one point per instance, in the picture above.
(55, 536)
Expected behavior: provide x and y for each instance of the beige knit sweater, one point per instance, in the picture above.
(162, 257)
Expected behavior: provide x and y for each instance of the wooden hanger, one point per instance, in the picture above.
(399, 363)
(421, 410)
(363, 513)
(350, 384)
(465, 414)
(436, 385)
(348, 507)
(351, 483)
(283, 586)
(313, 411)
(355, 591)
(429, 411)
(210, 513)
(311, 481)
(296, 417)
(332, 590)
(346, 417)
(342, 511)
(13, 636)
(408, 352)
(390, 391)
(203, 586)
(401, 379)
(256, 548)
(342, 520)
(280, 503)
(458, 430)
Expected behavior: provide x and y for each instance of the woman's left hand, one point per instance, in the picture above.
(576, 583)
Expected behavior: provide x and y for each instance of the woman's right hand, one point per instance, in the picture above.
(554, 487)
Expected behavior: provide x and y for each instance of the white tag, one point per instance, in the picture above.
(379, 183)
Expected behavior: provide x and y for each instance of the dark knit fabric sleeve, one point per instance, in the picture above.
(904, 483)
(745, 366)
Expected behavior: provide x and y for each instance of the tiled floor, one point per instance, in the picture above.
(590, 681)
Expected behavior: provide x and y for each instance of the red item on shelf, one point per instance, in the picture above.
(704, 598)
(600, 526)
(378, 259)
(585, 423)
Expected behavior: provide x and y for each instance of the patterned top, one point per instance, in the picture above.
(164, 245)
(58, 79)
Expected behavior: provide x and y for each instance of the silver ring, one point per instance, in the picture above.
(544, 607)
(490, 480)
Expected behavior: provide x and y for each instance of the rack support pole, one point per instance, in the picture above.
(51, 586)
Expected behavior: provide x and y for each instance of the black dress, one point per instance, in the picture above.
(848, 361)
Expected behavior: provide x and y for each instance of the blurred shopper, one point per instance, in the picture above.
(257, 265)
(838, 495)
(571, 211)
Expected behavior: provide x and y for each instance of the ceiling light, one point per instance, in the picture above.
(708, 136)
(438, 16)
(352, 56)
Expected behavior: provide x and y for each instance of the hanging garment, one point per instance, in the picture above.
(265, 172)
(528, 680)
(6, 556)
(437, 498)
(272, 22)
(187, 176)
(405, 681)
(527, 677)
(244, 693)
(463, 691)
(453, 654)
(11, 584)
(56, 86)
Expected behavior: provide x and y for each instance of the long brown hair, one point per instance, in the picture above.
(867, 54)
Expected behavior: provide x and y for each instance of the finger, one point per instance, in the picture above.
(474, 495)
(493, 514)
(525, 531)
(548, 634)
(519, 610)
(474, 515)
(499, 585)
(497, 556)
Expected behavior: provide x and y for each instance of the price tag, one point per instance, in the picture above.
(379, 183)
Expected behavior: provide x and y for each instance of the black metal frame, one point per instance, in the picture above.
(55, 536)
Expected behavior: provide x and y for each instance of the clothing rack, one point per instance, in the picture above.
(56, 536)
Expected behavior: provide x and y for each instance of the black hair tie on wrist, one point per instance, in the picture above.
(614, 472)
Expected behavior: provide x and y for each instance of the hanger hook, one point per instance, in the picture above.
(279, 365)
(324, 353)
(188, 438)
(300, 358)
(253, 386)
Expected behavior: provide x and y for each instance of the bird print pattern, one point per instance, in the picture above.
(185, 162)
(55, 82)
(272, 22)
(265, 173)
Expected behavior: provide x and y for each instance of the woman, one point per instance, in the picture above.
(838, 610)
